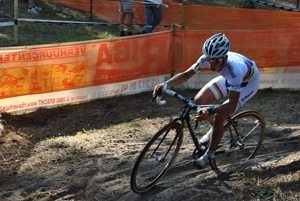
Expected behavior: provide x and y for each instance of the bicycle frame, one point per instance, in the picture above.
(184, 116)
(184, 119)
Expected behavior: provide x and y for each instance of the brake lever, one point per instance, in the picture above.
(152, 99)
(196, 125)
(158, 97)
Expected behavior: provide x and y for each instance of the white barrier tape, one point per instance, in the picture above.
(4, 24)
(81, 22)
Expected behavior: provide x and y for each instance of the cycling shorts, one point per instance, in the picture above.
(219, 86)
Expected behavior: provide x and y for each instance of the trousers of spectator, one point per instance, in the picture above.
(153, 15)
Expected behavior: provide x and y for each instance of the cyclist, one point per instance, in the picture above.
(238, 80)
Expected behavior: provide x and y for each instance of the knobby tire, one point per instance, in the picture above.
(155, 159)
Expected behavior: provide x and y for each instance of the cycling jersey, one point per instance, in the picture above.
(238, 70)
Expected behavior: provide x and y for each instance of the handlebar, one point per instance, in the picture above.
(170, 92)
(159, 101)
(189, 102)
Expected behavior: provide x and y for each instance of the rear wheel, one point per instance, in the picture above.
(156, 157)
(243, 135)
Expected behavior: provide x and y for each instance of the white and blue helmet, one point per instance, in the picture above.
(216, 46)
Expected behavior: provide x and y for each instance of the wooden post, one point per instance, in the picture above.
(91, 10)
(173, 28)
(16, 28)
(184, 15)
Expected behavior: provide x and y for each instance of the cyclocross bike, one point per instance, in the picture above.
(243, 135)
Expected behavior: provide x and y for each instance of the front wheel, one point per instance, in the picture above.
(156, 157)
(243, 135)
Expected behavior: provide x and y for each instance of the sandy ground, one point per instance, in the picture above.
(87, 152)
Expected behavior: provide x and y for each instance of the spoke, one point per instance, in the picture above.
(251, 131)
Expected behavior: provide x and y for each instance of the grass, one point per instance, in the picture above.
(50, 33)
(270, 191)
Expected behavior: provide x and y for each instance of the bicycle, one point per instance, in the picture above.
(244, 135)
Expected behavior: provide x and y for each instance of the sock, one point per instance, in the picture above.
(211, 153)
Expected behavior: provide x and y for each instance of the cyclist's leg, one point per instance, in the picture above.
(206, 96)
(219, 87)
(212, 91)
(247, 91)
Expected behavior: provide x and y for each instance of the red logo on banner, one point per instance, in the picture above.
(132, 59)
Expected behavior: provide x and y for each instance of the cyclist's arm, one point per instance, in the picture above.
(190, 72)
(181, 77)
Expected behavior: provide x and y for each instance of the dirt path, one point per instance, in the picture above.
(87, 151)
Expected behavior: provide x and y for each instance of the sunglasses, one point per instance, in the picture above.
(214, 61)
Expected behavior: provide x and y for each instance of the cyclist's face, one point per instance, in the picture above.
(216, 64)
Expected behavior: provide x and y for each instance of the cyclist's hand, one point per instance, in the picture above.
(204, 113)
(164, 86)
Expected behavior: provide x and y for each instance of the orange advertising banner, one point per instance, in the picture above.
(268, 48)
(226, 18)
(50, 68)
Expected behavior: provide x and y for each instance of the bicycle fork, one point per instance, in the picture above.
(161, 159)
